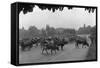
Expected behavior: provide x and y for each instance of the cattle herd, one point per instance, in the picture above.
(50, 45)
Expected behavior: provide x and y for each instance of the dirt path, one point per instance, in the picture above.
(70, 53)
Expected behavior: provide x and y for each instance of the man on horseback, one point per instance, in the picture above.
(48, 45)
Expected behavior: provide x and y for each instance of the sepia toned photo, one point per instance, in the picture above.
(56, 33)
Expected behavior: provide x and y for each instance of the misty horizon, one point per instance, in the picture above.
(58, 27)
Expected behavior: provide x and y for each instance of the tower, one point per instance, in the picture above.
(84, 26)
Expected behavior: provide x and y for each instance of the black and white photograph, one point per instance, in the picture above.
(56, 33)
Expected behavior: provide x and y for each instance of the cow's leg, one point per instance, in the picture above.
(36, 44)
(55, 51)
(61, 47)
(51, 51)
(41, 46)
(23, 48)
(42, 50)
(88, 44)
(83, 45)
(46, 51)
(30, 47)
(77, 45)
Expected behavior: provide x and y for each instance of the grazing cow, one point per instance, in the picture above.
(93, 39)
(25, 45)
(83, 42)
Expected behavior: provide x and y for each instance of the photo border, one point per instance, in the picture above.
(42, 63)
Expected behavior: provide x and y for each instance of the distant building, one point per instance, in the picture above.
(84, 29)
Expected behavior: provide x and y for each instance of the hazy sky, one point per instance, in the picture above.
(74, 18)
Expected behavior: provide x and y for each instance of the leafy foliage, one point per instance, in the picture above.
(49, 31)
(26, 7)
(84, 30)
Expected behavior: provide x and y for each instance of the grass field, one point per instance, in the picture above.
(70, 53)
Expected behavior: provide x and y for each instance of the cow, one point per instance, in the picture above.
(83, 42)
(28, 43)
(24, 45)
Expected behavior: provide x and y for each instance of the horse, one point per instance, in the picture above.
(51, 48)
(60, 43)
(47, 45)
